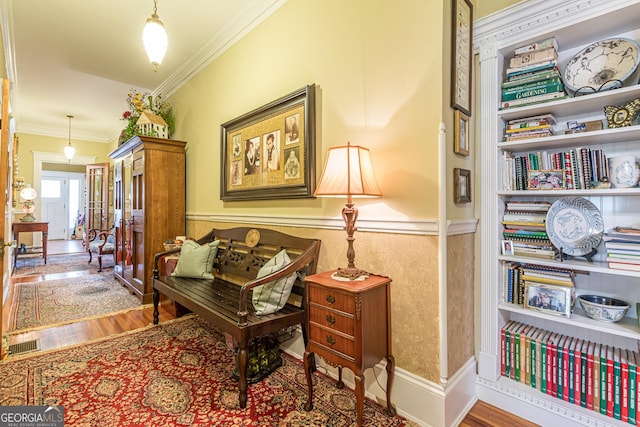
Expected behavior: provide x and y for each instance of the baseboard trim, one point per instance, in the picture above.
(424, 402)
(536, 407)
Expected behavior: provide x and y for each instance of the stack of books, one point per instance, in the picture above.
(584, 168)
(532, 75)
(517, 276)
(598, 377)
(529, 127)
(623, 248)
(524, 226)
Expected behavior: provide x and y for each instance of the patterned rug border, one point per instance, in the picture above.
(95, 340)
(71, 321)
(15, 296)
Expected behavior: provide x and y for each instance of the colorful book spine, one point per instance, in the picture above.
(523, 353)
(617, 378)
(531, 79)
(583, 374)
(590, 368)
(527, 356)
(533, 57)
(596, 378)
(539, 45)
(551, 96)
(577, 373)
(572, 371)
(624, 386)
(610, 382)
(529, 92)
(563, 368)
(532, 85)
(543, 362)
(603, 380)
(534, 357)
(533, 68)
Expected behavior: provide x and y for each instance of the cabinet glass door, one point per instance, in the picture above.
(97, 198)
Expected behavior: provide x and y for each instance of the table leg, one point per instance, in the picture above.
(359, 379)
(309, 366)
(44, 245)
(390, 372)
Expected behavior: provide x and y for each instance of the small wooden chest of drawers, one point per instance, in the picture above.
(349, 326)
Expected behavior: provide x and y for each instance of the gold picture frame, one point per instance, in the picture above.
(461, 133)
(461, 55)
(461, 185)
(269, 153)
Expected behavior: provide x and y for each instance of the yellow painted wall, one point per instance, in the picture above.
(487, 7)
(30, 143)
(379, 76)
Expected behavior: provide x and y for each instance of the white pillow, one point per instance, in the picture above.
(272, 296)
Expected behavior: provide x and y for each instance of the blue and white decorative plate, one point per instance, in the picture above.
(600, 62)
(574, 225)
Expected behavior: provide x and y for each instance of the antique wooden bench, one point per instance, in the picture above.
(225, 301)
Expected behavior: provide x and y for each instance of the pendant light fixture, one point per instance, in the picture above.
(69, 151)
(154, 37)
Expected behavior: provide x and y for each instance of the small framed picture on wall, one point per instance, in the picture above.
(461, 133)
(462, 185)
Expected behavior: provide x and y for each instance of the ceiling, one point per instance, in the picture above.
(82, 57)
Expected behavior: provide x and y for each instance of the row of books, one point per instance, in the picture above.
(539, 126)
(532, 75)
(524, 231)
(517, 277)
(595, 376)
(577, 169)
(623, 248)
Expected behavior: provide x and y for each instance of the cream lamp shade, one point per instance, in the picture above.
(154, 37)
(348, 173)
(28, 194)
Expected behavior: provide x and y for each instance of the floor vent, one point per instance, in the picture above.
(24, 347)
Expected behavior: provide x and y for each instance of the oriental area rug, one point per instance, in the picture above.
(40, 304)
(175, 374)
(28, 265)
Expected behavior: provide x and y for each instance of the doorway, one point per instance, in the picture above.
(62, 202)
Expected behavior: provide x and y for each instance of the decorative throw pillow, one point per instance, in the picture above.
(196, 260)
(272, 296)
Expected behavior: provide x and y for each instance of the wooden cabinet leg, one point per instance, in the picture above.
(359, 379)
(391, 364)
(309, 366)
(340, 384)
(243, 357)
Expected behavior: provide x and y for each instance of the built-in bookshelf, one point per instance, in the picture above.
(575, 24)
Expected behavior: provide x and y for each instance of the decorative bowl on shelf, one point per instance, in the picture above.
(601, 63)
(603, 308)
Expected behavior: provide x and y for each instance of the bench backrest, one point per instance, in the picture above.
(244, 250)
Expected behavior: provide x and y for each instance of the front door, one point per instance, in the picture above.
(55, 210)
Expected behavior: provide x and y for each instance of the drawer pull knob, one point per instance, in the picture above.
(331, 299)
(331, 340)
(330, 319)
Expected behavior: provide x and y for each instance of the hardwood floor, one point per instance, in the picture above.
(481, 415)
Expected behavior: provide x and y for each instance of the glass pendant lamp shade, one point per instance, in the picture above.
(69, 151)
(154, 37)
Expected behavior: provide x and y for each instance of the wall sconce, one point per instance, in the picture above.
(349, 173)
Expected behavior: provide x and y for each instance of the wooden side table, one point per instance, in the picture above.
(349, 324)
(18, 227)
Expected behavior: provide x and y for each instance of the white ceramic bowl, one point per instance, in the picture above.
(602, 308)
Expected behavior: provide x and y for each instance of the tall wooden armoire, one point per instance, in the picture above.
(149, 206)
